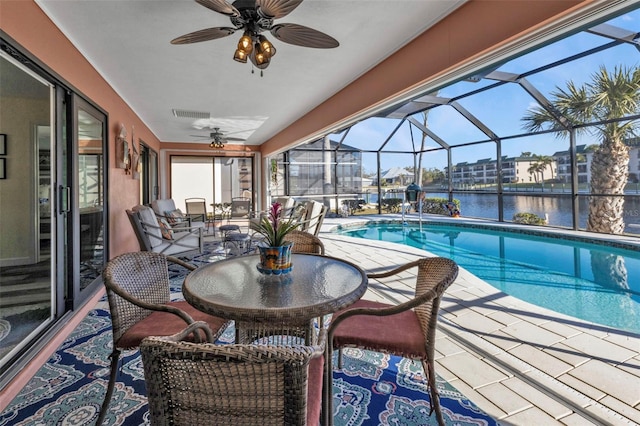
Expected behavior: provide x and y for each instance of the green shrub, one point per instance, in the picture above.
(436, 205)
(391, 205)
(529, 219)
(354, 205)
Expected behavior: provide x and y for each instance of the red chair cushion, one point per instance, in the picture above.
(165, 324)
(314, 390)
(399, 334)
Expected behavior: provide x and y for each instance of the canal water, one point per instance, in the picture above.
(556, 208)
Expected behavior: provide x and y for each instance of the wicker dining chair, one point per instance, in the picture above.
(137, 286)
(304, 242)
(232, 384)
(407, 329)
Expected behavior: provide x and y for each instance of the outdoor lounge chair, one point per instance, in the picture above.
(407, 329)
(163, 239)
(197, 212)
(166, 208)
(314, 217)
(232, 384)
(137, 286)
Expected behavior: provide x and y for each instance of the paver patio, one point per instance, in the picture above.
(520, 363)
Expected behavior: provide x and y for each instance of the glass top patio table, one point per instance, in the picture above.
(285, 304)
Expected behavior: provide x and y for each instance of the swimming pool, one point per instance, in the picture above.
(593, 282)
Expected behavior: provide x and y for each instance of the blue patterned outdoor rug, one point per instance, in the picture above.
(371, 389)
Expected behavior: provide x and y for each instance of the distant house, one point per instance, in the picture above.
(396, 176)
(366, 181)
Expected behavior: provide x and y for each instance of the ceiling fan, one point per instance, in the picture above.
(256, 17)
(218, 138)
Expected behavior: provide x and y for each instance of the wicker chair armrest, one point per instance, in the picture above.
(182, 263)
(394, 271)
(195, 328)
(150, 306)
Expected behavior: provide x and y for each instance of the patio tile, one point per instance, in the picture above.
(502, 317)
(531, 416)
(577, 385)
(566, 354)
(510, 402)
(560, 328)
(540, 360)
(447, 347)
(607, 417)
(574, 420)
(599, 348)
(631, 366)
(546, 403)
(625, 340)
(473, 371)
(475, 322)
(531, 334)
(483, 403)
(610, 380)
(447, 375)
(502, 340)
(633, 414)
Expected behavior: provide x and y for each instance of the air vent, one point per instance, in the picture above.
(182, 113)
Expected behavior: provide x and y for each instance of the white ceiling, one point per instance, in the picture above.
(128, 43)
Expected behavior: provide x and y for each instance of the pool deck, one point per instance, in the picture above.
(520, 363)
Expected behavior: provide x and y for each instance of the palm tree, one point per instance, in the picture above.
(544, 161)
(534, 169)
(608, 96)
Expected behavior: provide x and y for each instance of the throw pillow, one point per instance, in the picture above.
(175, 216)
(165, 228)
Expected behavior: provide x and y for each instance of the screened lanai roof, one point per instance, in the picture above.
(489, 106)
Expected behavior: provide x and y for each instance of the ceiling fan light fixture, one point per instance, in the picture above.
(266, 46)
(254, 17)
(240, 56)
(246, 42)
(260, 58)
(216, 144)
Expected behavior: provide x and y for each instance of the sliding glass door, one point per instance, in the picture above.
(148, 174)
(216, 179)
(27, 299)
(89, 137)
(52, 204)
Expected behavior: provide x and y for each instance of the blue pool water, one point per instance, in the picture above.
(593, 282)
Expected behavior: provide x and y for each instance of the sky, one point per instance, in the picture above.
(501, 109)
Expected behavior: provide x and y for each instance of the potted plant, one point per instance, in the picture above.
(275, 252)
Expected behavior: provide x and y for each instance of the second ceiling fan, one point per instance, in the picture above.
(218, 138)
(256, 17)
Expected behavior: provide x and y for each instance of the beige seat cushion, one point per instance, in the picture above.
(163, 205)
(149, 222)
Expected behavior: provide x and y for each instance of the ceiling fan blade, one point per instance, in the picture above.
(220, 6)
(276, 9)
(204, 35)
(233, 139)
(303, 36)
